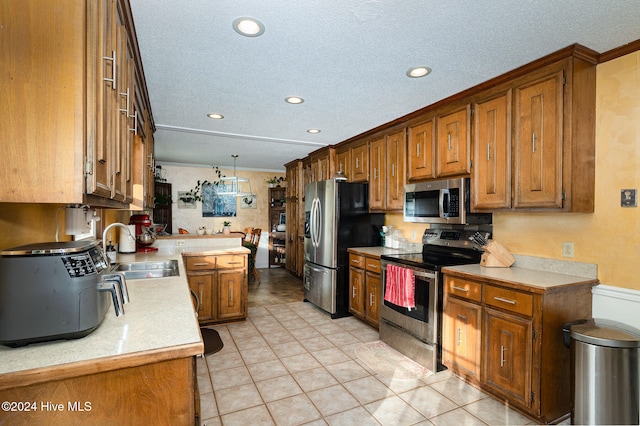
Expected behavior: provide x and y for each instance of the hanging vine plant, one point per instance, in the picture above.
(195, 194)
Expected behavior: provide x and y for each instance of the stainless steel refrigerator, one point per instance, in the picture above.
(336, 217)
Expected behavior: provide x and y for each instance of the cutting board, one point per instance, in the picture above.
(496, 256)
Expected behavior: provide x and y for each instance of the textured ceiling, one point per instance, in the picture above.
(346, 58)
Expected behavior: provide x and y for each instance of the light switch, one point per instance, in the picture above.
(628, 198)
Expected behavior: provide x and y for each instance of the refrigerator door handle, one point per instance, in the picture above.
(312, 222)
(318, 222)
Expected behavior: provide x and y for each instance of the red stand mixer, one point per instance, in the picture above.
(145, 236)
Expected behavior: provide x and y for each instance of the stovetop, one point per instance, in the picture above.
(442, 247)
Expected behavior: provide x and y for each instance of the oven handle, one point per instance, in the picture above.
(421, 274)
(424, 274)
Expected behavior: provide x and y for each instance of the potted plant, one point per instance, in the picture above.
(195, 194)
(275, 181)
(226, 227)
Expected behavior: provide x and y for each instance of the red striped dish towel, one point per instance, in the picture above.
(400, 287)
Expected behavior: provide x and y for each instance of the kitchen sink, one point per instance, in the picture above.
(154, 269)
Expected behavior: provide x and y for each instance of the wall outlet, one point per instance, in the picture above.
(180, 243)
(567, 249)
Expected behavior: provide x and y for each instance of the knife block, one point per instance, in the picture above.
(496, 256)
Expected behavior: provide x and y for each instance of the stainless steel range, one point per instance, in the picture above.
(417, 331)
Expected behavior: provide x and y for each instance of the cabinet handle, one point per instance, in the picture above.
(393, 170)
(353, 292)
(201, 264)
(135, 123)
(488, 151)
(418, 150)
(501, 299)
(375, 173)
(113, 69)
(370, 299)
(357, 163)
(126, 95)
(459, 342)
(449, 140)
(233, 263)
(502, 357)
(455, 287)
(200, 285)
(357, 262)
(371, 265)
(230, 294)
(533, 142)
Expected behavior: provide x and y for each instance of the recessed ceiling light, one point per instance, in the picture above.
(216, 116)
(294, 100)
(314, 131)
(249, 27)
(417, 72)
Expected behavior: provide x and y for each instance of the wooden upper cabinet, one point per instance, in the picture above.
(538, 142)
(395, 164)
(491, 183)
(421, 152)
(454, 143)
(323, 164)
(343, 163)
(377, 157)
(360, 163)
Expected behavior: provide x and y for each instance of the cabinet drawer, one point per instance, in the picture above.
(233, 261)
(511, 300)
(463, 288)
(356, 260)
(197, 263)
(372, 265)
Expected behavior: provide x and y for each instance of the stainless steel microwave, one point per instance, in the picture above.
(441, 201)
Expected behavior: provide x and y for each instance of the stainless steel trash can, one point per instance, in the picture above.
(606, 373)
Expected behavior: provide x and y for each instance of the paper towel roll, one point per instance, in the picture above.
(125, 245)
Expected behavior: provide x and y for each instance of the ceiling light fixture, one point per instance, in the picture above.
(294, 100)
(313, 131)
(248, 27)
(417, 72)
(215, 116)
(231, 185)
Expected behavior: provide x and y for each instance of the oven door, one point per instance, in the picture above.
(421, 322)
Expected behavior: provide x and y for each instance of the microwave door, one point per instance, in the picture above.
(444, 203)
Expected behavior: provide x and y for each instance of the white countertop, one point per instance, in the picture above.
(376, 251)
(159, 318)
(533, 279)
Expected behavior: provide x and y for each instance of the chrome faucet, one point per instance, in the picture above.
(104, 236)
(114, 282)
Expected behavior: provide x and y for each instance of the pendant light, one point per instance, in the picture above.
(232, 183)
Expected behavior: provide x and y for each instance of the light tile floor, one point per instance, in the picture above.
(291, 364)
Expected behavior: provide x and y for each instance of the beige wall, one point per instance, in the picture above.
(185, 178)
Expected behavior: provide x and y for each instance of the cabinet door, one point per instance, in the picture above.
(373, 298)
(356, 298)
(360, 163)
(230, 294)
(395, 165)
(508, 346)
(461, 337)
(201, 285)
(454, 143)
(378, 175)
(538, 144)
(492, 153)
(343, 163)
(420, 152)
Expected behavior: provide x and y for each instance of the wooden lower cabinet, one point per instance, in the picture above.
(160, 392)
(506, 339)
(365, 288)
(220, 284)
(461, 346)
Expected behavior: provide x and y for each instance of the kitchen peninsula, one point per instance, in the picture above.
(138, 368)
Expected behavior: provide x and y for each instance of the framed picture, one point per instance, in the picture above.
(186, 201)
(248, 202)
(283, 217)
(214, 205)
